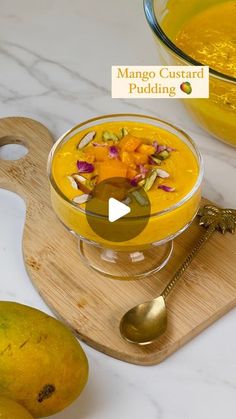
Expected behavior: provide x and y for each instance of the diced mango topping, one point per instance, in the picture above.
(100, 153)
(111, 168)
(146, 149)
(140, 158)
(130, 143)
(118, 154)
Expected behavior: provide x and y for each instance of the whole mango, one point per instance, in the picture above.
(9, 409)
(42, 365)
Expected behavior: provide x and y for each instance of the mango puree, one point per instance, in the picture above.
(182, 167)
(209, 36)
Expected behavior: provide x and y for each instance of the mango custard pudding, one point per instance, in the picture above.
(142, 150)
(210, 38)
(201, 32)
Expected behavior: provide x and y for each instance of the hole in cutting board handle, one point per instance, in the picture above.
(12, 148)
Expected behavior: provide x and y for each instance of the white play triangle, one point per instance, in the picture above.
(116, 210)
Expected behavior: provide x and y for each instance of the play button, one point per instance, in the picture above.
(117, 210)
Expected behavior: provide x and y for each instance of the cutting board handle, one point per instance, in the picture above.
(25, 176)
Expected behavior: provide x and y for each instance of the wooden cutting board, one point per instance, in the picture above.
(91, 304)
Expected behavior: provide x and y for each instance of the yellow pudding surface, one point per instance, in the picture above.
(209, 36)
(137, 145)
(182, 165)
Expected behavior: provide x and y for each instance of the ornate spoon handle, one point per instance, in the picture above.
(212, 218)
(188, 261)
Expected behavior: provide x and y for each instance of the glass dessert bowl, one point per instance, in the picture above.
(163, 170)
(201, 32)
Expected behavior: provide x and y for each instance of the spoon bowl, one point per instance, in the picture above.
(145, 322)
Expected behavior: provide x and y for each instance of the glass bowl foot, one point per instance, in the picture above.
(125, 265)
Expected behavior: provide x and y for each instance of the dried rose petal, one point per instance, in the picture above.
(143, 170)
(160, 148)
(136, 179)
(85, 167)
(155, 144)
(170, 149)
(113, 152)
(166, 188)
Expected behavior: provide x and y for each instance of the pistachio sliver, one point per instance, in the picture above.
(123, 132)
(86, 139)
(163, 155)
(141, 200)
(78, 177)
(81, 199)
(156, 160)
(107, 135)
(150, 180)
(141, 182)
(82, 185)
(92, 182)
(127, 200)
(162, 173)
(72, 182)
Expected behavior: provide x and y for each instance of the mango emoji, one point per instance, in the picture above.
(186, 87)
(42, 365)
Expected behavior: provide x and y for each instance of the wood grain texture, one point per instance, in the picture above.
(90, 304)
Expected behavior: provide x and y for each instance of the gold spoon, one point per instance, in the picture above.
(147, 321)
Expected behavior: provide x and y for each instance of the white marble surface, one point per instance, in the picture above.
(55, 67)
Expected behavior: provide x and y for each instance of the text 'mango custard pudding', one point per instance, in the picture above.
(148, 152)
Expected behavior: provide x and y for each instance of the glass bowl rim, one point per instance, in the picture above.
(156, 28)
(131, 115)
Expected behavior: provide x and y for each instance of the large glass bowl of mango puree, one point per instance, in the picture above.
(201, 32)
(148, 154)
